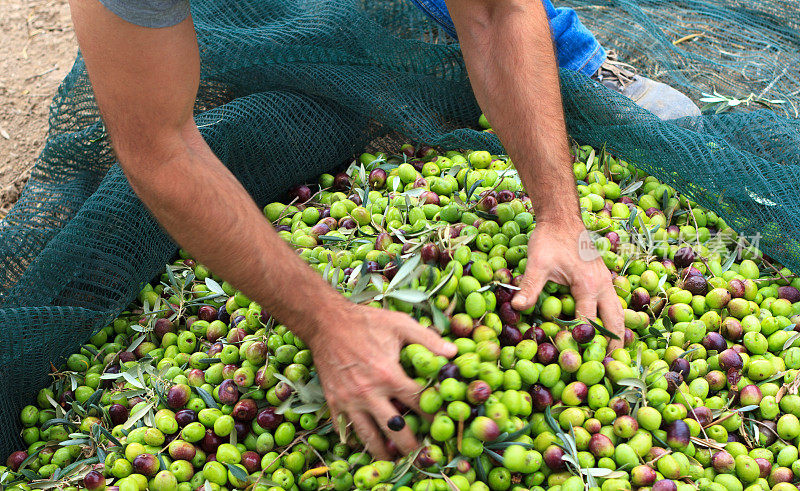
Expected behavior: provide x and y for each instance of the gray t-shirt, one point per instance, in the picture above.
(150, 13)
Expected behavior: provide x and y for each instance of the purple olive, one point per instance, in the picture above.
(245, 410)
(377, 178)
(789, 293)
(478, 392)
(713, 341)
(178, 395)
(723, 462)
(146, 464)
(508, 315)
(510, 336)
(684, 257)
(185, 416)
(678, 434)
(341, 181)
(268, 419)
(302, 193)
(430, 253)
(228, 392)
(449, 370)
(118, 414)
(94, 480)
(696, 285)
(554, 458)
(681, 365)
(664, 485)
(541, 397)
(640, 299)
(674, 380)
(546, 354)
(730, 360)
(583, 333)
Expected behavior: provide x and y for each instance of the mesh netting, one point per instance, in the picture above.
(292, 88)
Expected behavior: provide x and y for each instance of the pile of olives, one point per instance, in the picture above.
(195, 386)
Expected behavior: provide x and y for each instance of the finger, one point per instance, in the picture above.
(408, 393)
(369, 435)
(415, 333)
(586, 306)
(532, 284)
(382, 410)
(613, 317)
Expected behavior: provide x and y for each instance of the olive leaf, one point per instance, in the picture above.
(207, 398)
(602, 330)
(238, 472)
(473, 188)
(408, 295)
(729, 262)
(440, 321)
(789, 342)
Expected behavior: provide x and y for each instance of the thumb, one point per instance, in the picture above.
(532, 284)
(430, 339)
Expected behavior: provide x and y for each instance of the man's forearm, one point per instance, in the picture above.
(225, 230)
(508, 50)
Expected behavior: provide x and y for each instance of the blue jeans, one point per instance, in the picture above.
(576, 47)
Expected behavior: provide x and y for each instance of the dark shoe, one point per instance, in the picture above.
(658, 98)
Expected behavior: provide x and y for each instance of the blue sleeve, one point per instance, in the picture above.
(149, 13)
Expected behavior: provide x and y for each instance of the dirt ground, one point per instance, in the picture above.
(38, 48)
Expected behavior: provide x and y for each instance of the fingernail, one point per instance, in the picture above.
(452, 348)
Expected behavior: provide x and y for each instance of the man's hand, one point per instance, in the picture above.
(508, 50)
(357, 356)
(145, 82)
(564, 253)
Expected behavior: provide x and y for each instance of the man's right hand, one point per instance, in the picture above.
(357, 355)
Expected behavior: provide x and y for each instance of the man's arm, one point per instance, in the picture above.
(145, 82)
(509, 54)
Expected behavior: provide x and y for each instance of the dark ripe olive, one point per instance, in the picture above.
(207, 313)
(696, 284)
(554, 458)
(669, 266)
(714, 341)
(126, 356)
(733, 437)
(324, 213)
(241, 428)
(678, 434)
(505, 196)
(372, 266)
(487, 203)
(426, 152)
(546, 354)
(223, 315)
(383, 241)
(674, 380)
(283, 391)
(702, 414)
(664, 485)
(146, 464)
(789, 293)
(732, 329)
(510, 336)
(302, 193)
(445, 257)
(502, 294)
(508, 315)
(355, 198)
(408, 150)
(613, 238)
(541, 397)
(347, 272)
(185, 416)
(228, 392)
(449, 370)
(251, 461)
(768, 431)
(730, 360)
(736, 287)
(468, 268)
(461, 326)
(178, 395)
(620, 406)
(94, 480)
(211, 442)
(629, 338)
(109, 382)
(640, 299)
(504, 275)
(268, 419)
(66, 399)
(118, 414)
(237, 320)
(652, 211)
(764, 467)
(739, 348)
(245, 410)
(430, 252)
(377, 178)
(583, 333)
(681, 365)
(319, 230)
(331, 222)
(15, 459)
(684, 257)
(396, 423)
(341, 181)
(162, 327)
(390, 270)
(425, 459)
(347, 223)
(517, 281)
(690, 271)
(627, 200)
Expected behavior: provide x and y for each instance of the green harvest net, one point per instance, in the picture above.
(292, 88)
